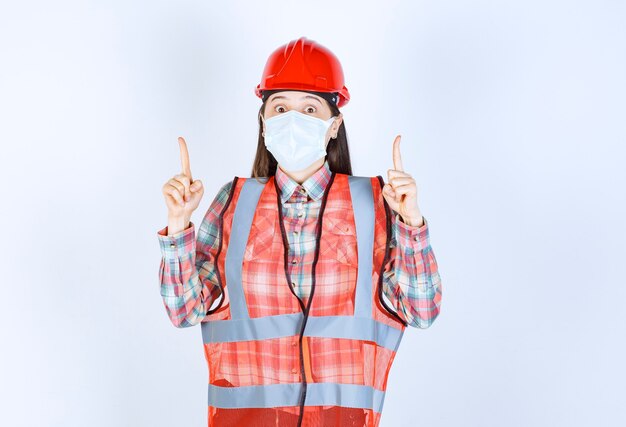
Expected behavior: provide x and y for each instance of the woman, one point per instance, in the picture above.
(303, 277)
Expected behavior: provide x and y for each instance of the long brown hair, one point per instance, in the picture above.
(337, 152)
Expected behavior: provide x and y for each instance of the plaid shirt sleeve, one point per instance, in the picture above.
(187, 274)
(411, 279)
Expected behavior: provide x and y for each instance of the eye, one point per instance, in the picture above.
(278, 107)
(310, 108)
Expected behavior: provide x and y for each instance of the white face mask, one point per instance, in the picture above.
(295, 139)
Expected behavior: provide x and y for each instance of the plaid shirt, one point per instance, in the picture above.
(188, 279)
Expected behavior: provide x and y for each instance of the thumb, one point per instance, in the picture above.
(196, 185)
(388, 190)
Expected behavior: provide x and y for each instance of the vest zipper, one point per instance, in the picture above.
(305, 310)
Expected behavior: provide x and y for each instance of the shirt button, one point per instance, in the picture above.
(293, 261)
(295, 343)
(300, 213)
(416, 237)
(172, 245)
(295, 232)
(294, 371)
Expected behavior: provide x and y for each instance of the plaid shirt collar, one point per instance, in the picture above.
(314, 185)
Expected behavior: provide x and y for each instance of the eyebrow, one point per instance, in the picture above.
(305, 96)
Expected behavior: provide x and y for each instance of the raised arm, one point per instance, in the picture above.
(411, 279)
(187, 273)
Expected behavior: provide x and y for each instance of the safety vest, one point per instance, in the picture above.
(275, 359)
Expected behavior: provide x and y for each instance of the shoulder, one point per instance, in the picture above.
(237, 181)
(225, 188)
(224, 191)
(221, 197)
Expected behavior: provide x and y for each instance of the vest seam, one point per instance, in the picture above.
(310, 300)
(305, 310)
(300, 303)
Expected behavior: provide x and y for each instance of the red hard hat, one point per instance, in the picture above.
(305, 65)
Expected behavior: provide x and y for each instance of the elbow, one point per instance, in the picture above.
(422, 321)
(427, 310)
(180, 323)
(176, 312)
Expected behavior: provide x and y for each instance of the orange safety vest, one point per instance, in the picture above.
(277, 360)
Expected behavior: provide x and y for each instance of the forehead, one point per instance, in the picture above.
(294, 95)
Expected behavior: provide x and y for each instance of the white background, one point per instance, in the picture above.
(512, 117)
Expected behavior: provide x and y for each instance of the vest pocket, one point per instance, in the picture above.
(261, 242)
(254, 362)
(341, 243)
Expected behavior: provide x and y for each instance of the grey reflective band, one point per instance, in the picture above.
(357, 328)
(363, 208)
(288, 394)
(240, 231)
(285, 325)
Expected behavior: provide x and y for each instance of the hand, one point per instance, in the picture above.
(401, 191)
(182, 193)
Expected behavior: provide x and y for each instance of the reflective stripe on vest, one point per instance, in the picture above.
(285, 325)
(318, 394)
(240, 327)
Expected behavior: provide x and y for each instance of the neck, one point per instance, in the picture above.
(301, 176)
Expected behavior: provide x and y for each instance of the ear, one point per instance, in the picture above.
(336, 124)
(263, 123)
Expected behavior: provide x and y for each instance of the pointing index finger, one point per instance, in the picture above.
(397, 161)
(184, 157)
